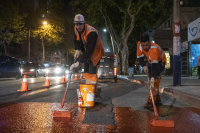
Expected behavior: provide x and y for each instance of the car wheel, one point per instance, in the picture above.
(36, 74)
(18, 76)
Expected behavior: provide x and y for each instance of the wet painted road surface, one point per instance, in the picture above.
(37, 117)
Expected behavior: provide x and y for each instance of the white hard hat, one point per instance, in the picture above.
(79, 19)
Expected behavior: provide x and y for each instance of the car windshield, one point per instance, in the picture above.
(30, 65)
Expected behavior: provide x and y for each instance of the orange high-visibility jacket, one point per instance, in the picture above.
(154, 55)
(98, 50)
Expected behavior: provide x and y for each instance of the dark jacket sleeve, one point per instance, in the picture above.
(90, 45)
(77, 44)
(155, 70)
(141, 61)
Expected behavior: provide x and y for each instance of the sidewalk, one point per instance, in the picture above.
(188, 92)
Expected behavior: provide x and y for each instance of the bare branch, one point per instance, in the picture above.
(140, 7)
(124, 26)
(118, 6)
(128, 9)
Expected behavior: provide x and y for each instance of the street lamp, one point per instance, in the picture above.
(45, 22)
(104, 30)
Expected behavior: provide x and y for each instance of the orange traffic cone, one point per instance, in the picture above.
(24, 85)
(47, 82)
(75, 77)
(63, 79)
(81, 77)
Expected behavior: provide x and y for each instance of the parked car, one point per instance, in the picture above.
(33, 69)
(57, 69)
(9, 67)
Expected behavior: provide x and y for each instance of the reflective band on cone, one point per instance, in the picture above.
(81, 77)
(63, 79)
(47, 82)
(24, 86)
(75, 77)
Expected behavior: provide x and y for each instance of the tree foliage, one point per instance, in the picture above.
(121, 19)
(11, 23)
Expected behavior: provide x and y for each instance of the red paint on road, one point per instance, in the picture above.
(37, 117)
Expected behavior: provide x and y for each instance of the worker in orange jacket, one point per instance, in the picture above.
(87, 42)
(157, 61)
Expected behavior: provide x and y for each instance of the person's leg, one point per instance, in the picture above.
(93, 77)
(86, 72)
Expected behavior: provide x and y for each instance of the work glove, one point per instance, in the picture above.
(77, 53)
(74, 65)
(151, 83)
(146, 70)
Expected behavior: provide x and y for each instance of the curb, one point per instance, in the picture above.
(182, 96)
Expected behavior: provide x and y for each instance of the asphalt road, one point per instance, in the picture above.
(120, 108)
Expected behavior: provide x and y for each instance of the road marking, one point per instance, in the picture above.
(39, 91)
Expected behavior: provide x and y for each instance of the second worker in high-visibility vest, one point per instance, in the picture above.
(156, 65)
(87, 42)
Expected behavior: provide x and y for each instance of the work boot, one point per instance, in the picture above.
(158, 101)
(148, 105)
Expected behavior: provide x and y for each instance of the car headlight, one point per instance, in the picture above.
(32, 70)
(67, 71)
(47, 70)
(57, 70)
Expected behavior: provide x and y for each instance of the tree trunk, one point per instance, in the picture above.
(29, 45)
(125, 56)
(5, 48)
(43, 51)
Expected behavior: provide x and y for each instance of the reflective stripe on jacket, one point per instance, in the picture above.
(98, 50)
(154, 55)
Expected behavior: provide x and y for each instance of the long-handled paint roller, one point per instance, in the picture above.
(63, 113)
(156, 121)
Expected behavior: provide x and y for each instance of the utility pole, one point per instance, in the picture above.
(29, 45)
(176, 43)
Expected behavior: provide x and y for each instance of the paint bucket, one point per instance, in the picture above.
(86, 94)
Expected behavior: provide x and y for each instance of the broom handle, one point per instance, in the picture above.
(63, 100)
(154, 107)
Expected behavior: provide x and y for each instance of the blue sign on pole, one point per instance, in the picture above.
(194, 53)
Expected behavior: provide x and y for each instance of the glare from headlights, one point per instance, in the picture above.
(32, 70)
(57, 70)
(47, 70)
(67, 71)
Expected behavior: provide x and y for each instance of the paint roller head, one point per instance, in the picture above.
(61, 114)
(162, 123)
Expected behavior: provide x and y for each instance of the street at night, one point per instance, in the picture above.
(120, 108)
(99, 66)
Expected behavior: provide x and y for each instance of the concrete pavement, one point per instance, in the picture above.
(188, 92)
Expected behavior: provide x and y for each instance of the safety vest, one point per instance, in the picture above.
(154, 55)
(98, 50)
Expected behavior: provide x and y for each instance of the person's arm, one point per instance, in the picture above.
(90, 45)
(141, 61)
(154, 55)
(77, 45)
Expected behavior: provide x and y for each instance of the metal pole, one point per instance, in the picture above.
(176, 44)
(29, 44)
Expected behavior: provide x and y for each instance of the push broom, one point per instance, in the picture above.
(63, 113)
(156, 121)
